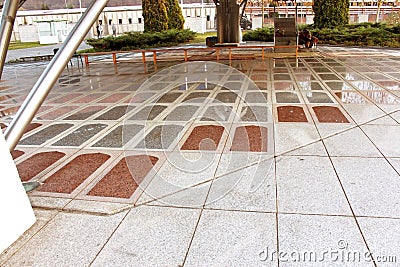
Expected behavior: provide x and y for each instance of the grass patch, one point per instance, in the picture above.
(19, 45)
(201, 37)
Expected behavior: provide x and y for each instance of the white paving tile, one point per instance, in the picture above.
(314, 149)
(291, 136)
(230, 238)
(396, 163)
(180, 171)
(306, 240)
(371, 185)
(68, 240)
(386, 138)
(363, 113)
(308, 185)
(150, 236)
(383, 239)
(251, 189)
(352, 142)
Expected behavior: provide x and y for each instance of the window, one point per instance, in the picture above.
(140, 20)
(109, 21)
(208, 18)
(100, 21)
(119, 21)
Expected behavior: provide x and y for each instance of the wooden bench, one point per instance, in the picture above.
(35, 58)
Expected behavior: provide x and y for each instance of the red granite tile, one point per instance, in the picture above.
(44, 108)
(57, 113)
(37, 163)
(124, 178)
(17, 153)
(66, 98)
(113, 98)
(250, 138)
(70, 176)
(8, 111)
(291, 114)
(32, 127)
(205, 137)
(329, 114)
(89, 98)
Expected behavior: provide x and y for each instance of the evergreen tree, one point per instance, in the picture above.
(155, 15)
(331, 13)
(175, 17)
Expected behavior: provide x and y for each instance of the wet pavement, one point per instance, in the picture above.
(274, 162)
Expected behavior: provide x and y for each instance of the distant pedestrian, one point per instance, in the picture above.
(99, 30)
(114, 30)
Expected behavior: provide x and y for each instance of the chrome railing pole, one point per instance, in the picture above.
(50, 75)
(6, 27)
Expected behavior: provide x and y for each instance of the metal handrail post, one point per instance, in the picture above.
(50, 75)
(7, 23)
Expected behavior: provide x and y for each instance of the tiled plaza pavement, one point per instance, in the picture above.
(280, 162)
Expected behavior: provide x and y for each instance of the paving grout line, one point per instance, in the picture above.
(348, 202)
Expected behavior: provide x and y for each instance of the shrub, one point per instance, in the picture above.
(155, 15)
(135, 40)
(175, 17)
(331, 13)
(262, 35)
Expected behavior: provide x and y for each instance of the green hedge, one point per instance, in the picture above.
(262, 35)
(134, 40)
(363, 34)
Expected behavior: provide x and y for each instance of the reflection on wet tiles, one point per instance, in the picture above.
(233, 85)
(66, 98)
(291, 114)
(375, 76)
(17, 153)
(366, 86)
(37, 163)
(89, 98)
(169, 97)
(255, 113)
(390, 85)
(115, 113)
(161, 137)
(81, 135)
(260, 86)
(120, 136)
(226, 97)
(281, 70)
(303, 77)
(205, 137)
(148, 113)
(206, 86)
(250, 138)
(284, 86)
(331, 77)
(318, 97)
(46, 134)
(351, 97)
(287, 97)
(196, 97)
(321, 69)
(156, 86)
(124, 178)
(114, 98)
(308, 86)
(182, 113)
(85, 113)
(256, 97)
(382, 97)
(57, 113)
(140, 98)
(217, 113)
(73, 174)
(282, 77)
(339, 86)
(327, 114)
